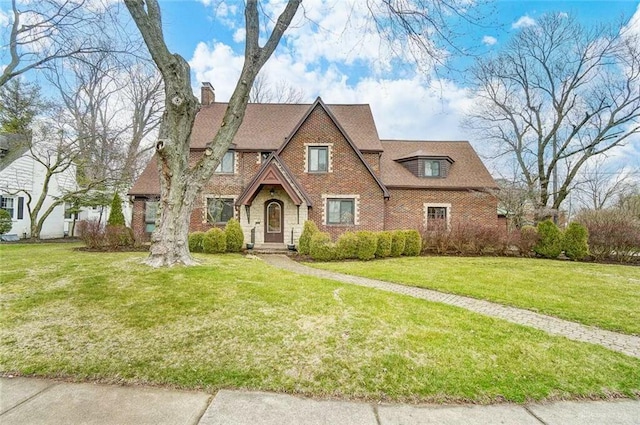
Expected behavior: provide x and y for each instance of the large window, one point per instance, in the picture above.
(226, 165)
(8, 204)
(150, 213)
(340, 211)
(437, 218)
(219, 210)
(432, 168)
(318, 159)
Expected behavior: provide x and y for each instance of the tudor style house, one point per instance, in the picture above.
(295, 162)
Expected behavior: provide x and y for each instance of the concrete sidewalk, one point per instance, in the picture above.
(36, 401)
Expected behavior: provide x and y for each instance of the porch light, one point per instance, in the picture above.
(272, 192)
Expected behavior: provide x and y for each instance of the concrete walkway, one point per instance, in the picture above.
(28, 401)
(627, 344)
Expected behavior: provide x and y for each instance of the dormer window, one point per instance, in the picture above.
(431, 168)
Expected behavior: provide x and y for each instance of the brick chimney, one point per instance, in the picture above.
(207, 94)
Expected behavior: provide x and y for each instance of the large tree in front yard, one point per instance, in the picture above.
(179, 182)
(558, 95)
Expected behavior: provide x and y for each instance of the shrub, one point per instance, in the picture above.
(321, 248)
(195, 241)
(413, 243)
(367, 245)
(214, 241)
(613, 234)
(437, 239)
(475, 238)
(308, 231)
(117, 236)
(235, 237)
(5, 221)
(398, 240)
(116, 218)
(526, 240)
(575, 241)
(384, 244)
(550, 240)
(91, 233)
(347, 246)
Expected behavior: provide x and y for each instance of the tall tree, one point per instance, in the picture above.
(556, 96)
(180, 183)
(20, 102)
(263, 91)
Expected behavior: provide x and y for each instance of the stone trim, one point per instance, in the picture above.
(356, 208)
(437, 205)
(210, 196)
(329, 147)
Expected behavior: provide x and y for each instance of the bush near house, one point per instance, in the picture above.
(367, 245)
(413, 243)
(384, 244)
(116, 218)
(214, 241)
(613, 234)
(118, 236)
(308, 231)
(347, 246)
(528, 238)
(574, 243)
(234, 235)
(398, 240)
(195, 241)
(5, 221)
(109, 237)
(550, 243)
(321, 248)
(436, 240)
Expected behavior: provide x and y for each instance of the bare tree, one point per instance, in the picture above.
(180, 183)
(599, 186)
(558, 95)
(46, 30)
(263, 91)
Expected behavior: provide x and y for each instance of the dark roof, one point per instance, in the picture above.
(149, 181)
(467, 170)
(266, 125)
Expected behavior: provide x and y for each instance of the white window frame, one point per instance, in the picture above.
(426, 207)
(232, 198)
(233, 163)
(13, 212)
(307, 162)
(325, 209)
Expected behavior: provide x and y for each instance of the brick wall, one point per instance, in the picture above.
(405, 208)
(348, 175)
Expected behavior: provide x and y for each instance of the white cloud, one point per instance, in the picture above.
(4, 19)
(239, 35)
(633, 26)
(524, 21)
(489, 40)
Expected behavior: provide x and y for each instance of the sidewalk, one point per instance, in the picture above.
(37, 401)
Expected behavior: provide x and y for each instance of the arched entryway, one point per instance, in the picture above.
(273, 221)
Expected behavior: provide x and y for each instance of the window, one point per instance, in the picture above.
(264, 156)
(318, 159)
(8, 204)
(150, 214)
(226, 165)
(437, 218)
(432, 168)
(70, 212)
(219, 210)
(340, 211)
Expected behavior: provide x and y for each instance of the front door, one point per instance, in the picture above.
(274, 221)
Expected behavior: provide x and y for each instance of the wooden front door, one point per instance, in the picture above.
(273, 221)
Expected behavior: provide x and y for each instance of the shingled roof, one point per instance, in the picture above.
(266, 125)
(466, 172)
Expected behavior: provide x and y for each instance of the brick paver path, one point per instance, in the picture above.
(627, 344)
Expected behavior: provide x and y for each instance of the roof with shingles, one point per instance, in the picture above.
(467, 170)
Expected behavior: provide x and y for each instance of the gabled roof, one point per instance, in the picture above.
(320, 103)
(467, 170)
(12, 146)
(266, 125)
(274, 172)
(421, 153)
(149, 181)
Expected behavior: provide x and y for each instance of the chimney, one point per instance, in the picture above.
(207, 94)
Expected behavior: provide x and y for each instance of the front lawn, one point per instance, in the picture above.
(603, 295)
(235, 322)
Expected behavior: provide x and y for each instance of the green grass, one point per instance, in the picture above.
(235, 322)
(603, 295)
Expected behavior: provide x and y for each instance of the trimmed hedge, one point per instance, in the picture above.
(347, 246)
(234, 235)
(321, 248)
(575, 241)
(398, 240)
(550, 243)
(304, 242)
(384, 244)
(367, 245)
(195, 241)
(214, 241)
(413, 243)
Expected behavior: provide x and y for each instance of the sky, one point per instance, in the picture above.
(334, 54)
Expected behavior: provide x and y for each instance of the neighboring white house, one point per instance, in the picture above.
(20, 173)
